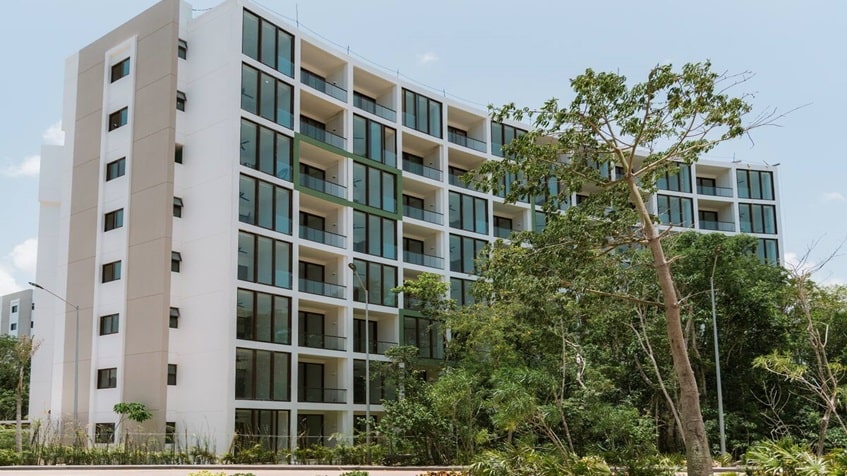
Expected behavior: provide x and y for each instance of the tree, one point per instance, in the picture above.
(16, 354)
(645, 130)
(133, 411)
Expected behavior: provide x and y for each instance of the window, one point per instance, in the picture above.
(170, 432)
(374, 235)
(114, 219)
(421, 113)
(173, 318)
(677, 211)
(374, 187)
(263, 317)
(510, 182)
(104, 433)
(111, 271)
(178, 154)
(463, 253)
(120, 69)
(468, 213)
(268, 428)
(460, 291)
(264, 260)
(426, 335)
(118, 119)
(266, 96)
(182, 49)
(755, 184)
(379, 387)
(109, 324)
(115, 169)
(177, 207)
(262, 375)
(757, 218)
(503, 227)
(180, 101)
(264, 42)
(171, 374)
(107, 378)
(264, 204)
(359, 336)
(265, 150)
(768, 251)
(374, 141)
(14, 309)
(380, 280)
(176, 259)
(676, 181)
(501, 135)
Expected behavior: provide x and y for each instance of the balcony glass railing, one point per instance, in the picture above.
(319, 287)
(457, 181)
(377, 346)
(502, 232)
(714, 191)
(316, 82)
(466, 141)
(323, 341)
(717, 225)
(422, 259)
(421, 214)
(322, 135)
(322, 236)
(324, 186)
(322, 395)
(422, 170)
(366, 104)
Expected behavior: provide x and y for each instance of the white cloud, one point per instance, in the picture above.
(54, 135)
(29, 167)
(833, 197)
(7, 282)
(24, 256)
(18, 264)
(427, 57)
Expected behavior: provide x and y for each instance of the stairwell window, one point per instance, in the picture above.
(176, 260)
(180, 101)
(113, 219)
(115, 169)
(182, 49)
(119, 70)
(171, 374)
(111, 271)
(109, 324)
(107, 378)
(177, 207)
(118, 118)
(173, 318)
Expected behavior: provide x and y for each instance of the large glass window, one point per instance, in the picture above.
(676, 181)
(263, 317)
(268, 428)
(677, 211)
(768, 250)
(757, 218)
(460, 291)
(266, 96)
(374, 235)
(755, 184)
(374, 187)
(262, 375)
(421, 113)
(463, 253)
(380, 388)
(265, 150)
(264, 260)
(374, 141)
(380, 279)
(501, 135)
(468, 213)
(264, 204)
(265, 42)
(426, 335)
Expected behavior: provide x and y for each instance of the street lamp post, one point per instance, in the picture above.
(717, 357)
(367, 362)
(76, 349)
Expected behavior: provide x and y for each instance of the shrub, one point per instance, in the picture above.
(354, 473)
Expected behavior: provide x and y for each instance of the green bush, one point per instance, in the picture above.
(354, 473)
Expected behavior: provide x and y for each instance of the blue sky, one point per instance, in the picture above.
(494, 52)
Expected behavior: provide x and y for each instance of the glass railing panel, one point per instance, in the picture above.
(421, 214)
(323, 341)
(717, 225)
(714, 191)
(502, 232)
(322, 135)
(319, 287)
(372, 107)
(423, 259)
(324, 186)
(316, 82)
(468, 142)
(322, 236)
(422, 170)
(457, 181)
(322, 395)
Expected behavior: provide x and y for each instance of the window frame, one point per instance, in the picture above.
(182, 49)
(387, 153)
(278, 223)
(274, 62)
(173, 318)
(177, 207)
(118, 118)
(274, 273)
(119, 70)
(109, 324)
(422, 106)
(181, 99)
(250, 385)
(380, 294)
(176, 261)
(107, 378)
(252, 330)
(457, 217)
(387, 248)
(113, 220)
(364, 189)
(110, 272)
(116, 169)
(172, 374)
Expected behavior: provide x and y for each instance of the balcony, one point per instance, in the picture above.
(421, 214)
(377, 346)
(422, 259)
(323, 186)
(371, 106)
(714, 191)
(322, 135)
(422, 170)
(316, 82)
(323, 341)
(502, 232)
(455, 178)
(717, 225)
(321, 288)
(322, 395)
(465, 141)
(322, 236)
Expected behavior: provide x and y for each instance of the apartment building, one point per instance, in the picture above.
(16, 313)
(220, 175)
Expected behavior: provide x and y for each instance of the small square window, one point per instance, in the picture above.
(109, 324)
(182, 49)
(115, 169)
(104, 433)
(171, 374)
(14, 308)
(120, 70)
(118, 119)
(177, 207)
(111, 271)
(178, 154)
(170, 432)
(173, 319)
(180, 101)
(13, 326)
(107, 378)
(113, 220)
(176, 258)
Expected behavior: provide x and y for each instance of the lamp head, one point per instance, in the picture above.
(35, 285)
(352, 266)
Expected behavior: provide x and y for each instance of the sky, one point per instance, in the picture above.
(495, 52)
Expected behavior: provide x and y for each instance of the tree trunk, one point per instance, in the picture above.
(697, 454)
(822, 429)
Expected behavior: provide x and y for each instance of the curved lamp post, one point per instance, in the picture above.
(352, 266)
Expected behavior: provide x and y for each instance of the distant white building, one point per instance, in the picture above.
(16, 313)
